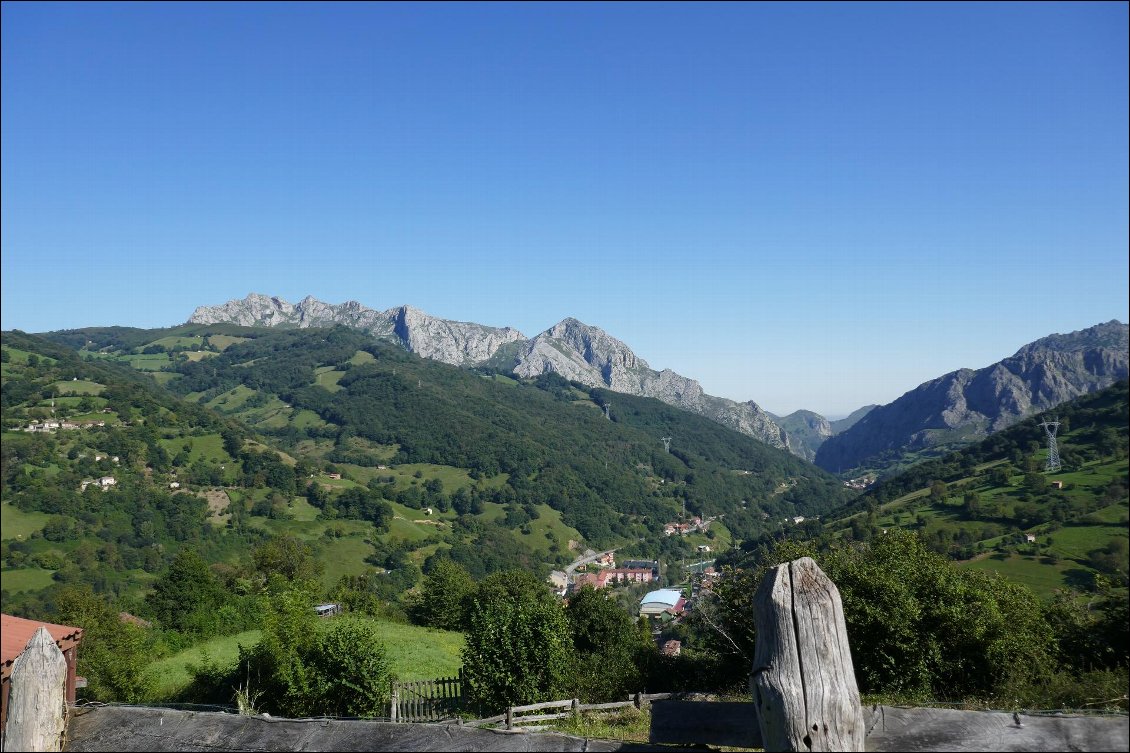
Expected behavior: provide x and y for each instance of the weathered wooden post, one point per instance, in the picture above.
(37, 700)
(803, 682)
(394, 703)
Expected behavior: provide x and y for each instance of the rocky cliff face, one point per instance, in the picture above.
(966, 405)
(458, 343)
(571, 348)
(589, 355)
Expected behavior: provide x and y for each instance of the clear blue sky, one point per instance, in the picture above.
(811, 206)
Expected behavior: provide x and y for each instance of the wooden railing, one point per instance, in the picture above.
(427, 700)
(518, 717)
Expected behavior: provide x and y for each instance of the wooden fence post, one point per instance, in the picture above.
(37, 698)
(803, 683)
(509, 717)
(394, 703)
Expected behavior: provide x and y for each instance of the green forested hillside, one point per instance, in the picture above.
(981, 504)
(433, 460)
(357, 402)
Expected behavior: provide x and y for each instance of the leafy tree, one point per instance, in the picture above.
(304, 667)
(518, 648)
(188, 596)
(446, 599)
(607, 646)
(288, 559)
(113, 656)
(352, 674)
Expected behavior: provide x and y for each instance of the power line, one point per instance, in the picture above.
(1050, 428)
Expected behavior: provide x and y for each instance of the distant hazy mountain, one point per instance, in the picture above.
(571, 348)
(968, 404)
(807, 431)
(843, 424)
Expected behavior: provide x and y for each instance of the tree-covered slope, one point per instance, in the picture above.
(982, 503)
(610, 479)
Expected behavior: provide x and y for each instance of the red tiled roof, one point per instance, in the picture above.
(15, 632)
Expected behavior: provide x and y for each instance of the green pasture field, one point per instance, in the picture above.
(20, 356)
(419, 556)
(328, 377)
(199, 355)
(205, 447)
(171, 674)
(79, 387)
(25, 579)
(344, 556)
(17, 524)
(175, 341)
(223, 342)
(414, 653)
(148, 361)
(164, 377)
(72, 401)
(232, 400)
(1116, 513)
(307, 419)
(1075, 541)
(549, 521)
(336, 483)
(407, 530)
(1043, 578)
(303, 510)
(362, 357)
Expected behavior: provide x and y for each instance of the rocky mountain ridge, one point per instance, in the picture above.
(573, 349)
(969, 404)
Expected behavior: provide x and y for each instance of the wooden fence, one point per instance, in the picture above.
(427, 700)
(519, 717)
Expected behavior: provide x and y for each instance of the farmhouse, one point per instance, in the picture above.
(15, 632)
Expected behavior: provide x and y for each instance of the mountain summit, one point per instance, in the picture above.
(457, 343)
(571, 348)
(969, 404)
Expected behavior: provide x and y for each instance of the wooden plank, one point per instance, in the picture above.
(37, 699)
(923, 729)
(605, 706)
(541, 717)
(704, 722)
(803, 680)
(544, 705)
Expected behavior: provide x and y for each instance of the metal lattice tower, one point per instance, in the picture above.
(666, 443)
(1050, 427)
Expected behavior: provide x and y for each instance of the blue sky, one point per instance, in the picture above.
(808, 205)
